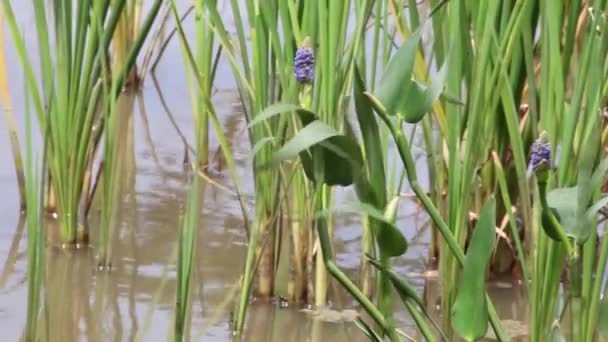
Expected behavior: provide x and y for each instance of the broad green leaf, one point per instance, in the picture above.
(397, 76)
(309, 136)
(335, 161)
(365, 191)
(372, 142)
(390, 240)
(279, 108)
(420, 98)
(327, 157)
(470, 311)
(576, 219)
(565, 202)
(387, 232)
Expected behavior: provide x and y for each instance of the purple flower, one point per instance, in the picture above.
(541, 152)
(304, 65)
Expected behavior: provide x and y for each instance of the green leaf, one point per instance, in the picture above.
(574, 217)
(335, 161)
(372, 142)
(309, 136)
(327, 157)
(278, 108)
(397, 76)
(420, 98)
(388, 232)
(470, 311)
(565, 202)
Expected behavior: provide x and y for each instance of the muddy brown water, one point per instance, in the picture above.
(135, 300)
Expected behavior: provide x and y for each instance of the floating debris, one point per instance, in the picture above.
(332, 316)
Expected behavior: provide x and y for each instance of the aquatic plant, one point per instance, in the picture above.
(465, 76)
(36, 232)
(74, 97)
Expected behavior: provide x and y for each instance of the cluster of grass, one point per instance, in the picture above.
(492, 70)
(479, 81)
(74, 99)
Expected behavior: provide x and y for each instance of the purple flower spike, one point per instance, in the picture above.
(304, 65)
(541, 152)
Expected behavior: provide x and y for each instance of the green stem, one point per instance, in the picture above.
(333, 269)
(412, 308)
(410, 167)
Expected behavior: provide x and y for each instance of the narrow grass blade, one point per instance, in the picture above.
(186, 252)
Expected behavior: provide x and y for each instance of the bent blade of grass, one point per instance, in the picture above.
(397, 73)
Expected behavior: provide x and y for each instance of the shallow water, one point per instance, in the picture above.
(135, 300)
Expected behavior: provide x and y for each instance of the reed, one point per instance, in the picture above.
(73, 96)
(505, 58)
(508, 96)
(201, 68)
(187, 242)
(262, 68)
(36, 232)
(266, 75)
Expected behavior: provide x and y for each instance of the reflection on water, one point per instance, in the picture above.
(135, 300)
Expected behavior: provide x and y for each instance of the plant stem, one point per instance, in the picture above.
(408, 163)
